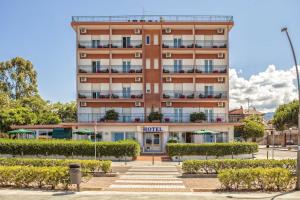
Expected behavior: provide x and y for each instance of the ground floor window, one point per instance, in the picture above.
(181, 137)
(130, 136)
(99, 137)
(116, 136)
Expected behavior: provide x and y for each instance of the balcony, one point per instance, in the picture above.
(93, 69)
(178, 44)
(213, 69)
(210, 44)
(140, 117)
(105, 94)
(126, 44)
(173, 69)
(112, 44)
(194, 44)
(126, 69)
(181, 69)
(194, 95)
(93, 44)
(113, 68)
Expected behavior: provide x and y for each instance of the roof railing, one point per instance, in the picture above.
(154, 18)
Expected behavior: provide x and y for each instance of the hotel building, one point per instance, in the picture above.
(135, 65)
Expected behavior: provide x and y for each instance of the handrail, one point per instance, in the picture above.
(154, 18)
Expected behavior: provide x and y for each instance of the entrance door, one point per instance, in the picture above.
(152, 142)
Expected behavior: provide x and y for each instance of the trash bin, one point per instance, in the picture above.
(75, 173)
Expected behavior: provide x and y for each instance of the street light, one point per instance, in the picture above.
(284, 29)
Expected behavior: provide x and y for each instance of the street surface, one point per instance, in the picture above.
(39, 195)
(279, 153)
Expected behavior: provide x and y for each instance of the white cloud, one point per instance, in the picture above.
(266, 90)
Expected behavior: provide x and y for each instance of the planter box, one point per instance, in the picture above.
(155, 121)
(112, 158)
(110, 120)
(195, 157)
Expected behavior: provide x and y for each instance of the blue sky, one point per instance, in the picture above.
(40, 31)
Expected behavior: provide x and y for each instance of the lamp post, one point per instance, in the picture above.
(284, 29)
(95, 135)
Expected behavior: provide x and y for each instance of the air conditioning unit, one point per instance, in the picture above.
(169, 79)
(220, 30)
(220, 55)
(83, 55)
(137, 54)
(137, 31)
(82, 31)
(138, 104)
(168, 30)
(221, 79)
(138, 79)
(168, 55)
(83, 104)
(221, 104)
(83, 79)
(168, 103)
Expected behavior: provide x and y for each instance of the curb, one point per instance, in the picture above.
(204, 190)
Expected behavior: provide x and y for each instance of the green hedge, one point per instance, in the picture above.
(212, 149)
(20, 176)
(267, 179)
(69, 148)
(86, 165)
(214, 166)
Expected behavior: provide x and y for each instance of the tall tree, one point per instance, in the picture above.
(18, 78)
(286, 116)
(252, 127)
(66, 111)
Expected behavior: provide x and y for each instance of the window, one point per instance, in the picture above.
(155, 40)
(130, 136)
(208, 91)
(177, 66)
(126, 66)
(208, 65)
(177, 42)
(147, 39)
(147, 63)
(156, 89)
(95, 43)
(209, 115)
(126, 92)
(148, 88)
(178, 114)
(96, 66)
(155, 63)
(116, 136)
(98, 137)
(126, 42)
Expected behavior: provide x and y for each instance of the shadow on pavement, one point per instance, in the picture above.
(63, 193)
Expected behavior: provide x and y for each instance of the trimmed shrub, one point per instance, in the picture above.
(153, 116)
(86, 165)
(111, 115)
(197, 116)
(69, 148)
(214, 166)
(266, 179)
(211, 149)
(20, 176)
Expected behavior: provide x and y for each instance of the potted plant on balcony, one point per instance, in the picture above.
(137, 119)
(111, 116)
(155, 117)
(167, 119)
(197, 117)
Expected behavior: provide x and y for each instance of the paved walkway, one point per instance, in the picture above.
(149, 179)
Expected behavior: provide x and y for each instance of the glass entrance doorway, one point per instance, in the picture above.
(152, 142)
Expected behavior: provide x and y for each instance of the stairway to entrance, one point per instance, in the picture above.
(149, 157)
(149, 179)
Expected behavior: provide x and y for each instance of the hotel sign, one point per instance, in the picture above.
(152, 129)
